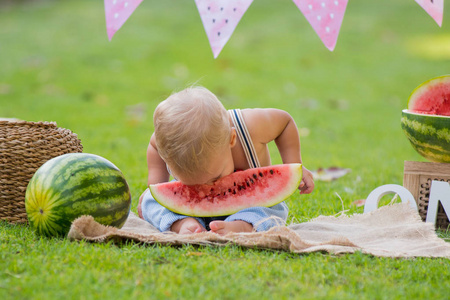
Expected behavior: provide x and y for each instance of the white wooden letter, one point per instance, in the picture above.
(439, 191)
(375, 196)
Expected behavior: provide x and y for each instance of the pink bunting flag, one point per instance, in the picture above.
(435, 8)
(117, 12)
(325, 16)
(220, 18)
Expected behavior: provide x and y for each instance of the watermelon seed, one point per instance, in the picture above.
(234, 183)
(248, 184)
(254, 176)
(234, 192)
(260, 174)
(251, 180)
(271, 171)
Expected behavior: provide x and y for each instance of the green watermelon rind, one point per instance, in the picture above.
(424, 87)
(428, 134)
(290, 188)
(72, 185)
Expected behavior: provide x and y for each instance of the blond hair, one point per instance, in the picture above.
(190, 126)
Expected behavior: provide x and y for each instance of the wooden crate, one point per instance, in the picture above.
(417, 179)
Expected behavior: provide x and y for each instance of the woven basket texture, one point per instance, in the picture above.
(442, 220)
(24, 147)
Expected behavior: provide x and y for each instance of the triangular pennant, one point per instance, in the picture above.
(435, 8)
(325, 17)
(117, 12)
(220, 18)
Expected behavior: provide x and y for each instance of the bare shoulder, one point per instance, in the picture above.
(264, 124)
(259, 115)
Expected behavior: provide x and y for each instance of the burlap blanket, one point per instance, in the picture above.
(390, 231)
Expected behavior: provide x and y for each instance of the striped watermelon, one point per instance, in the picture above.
(429, 135)
(71, 185)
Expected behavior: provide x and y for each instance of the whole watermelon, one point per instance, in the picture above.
(72, 185)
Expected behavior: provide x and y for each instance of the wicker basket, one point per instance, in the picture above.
(417, 179)
(24, 147)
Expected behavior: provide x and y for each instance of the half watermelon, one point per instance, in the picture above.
(426, 122)
(265, 186)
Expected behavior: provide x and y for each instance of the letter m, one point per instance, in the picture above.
(439, 192)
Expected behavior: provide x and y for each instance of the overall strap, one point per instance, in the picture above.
(244, 138)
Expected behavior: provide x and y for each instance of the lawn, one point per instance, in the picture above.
(56, 64)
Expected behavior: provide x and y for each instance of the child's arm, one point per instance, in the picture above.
(157, 170)
(277, 125)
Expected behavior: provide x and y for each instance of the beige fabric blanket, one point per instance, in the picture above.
(390, 231)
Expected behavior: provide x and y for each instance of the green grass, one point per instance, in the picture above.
(58, 65)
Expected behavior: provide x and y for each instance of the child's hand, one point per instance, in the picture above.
(139, 208)
(307, 183)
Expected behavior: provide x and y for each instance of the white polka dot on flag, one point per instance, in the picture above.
(325, 17)
(117, 12)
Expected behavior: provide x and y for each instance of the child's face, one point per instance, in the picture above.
(219, 166)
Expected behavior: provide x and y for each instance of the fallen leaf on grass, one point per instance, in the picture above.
(167, 293)
(5, 89)
(194, 254)
(359, 203)
(136, 113)
(329, 174)
(304, 132)
(338, 104)
(311, 104)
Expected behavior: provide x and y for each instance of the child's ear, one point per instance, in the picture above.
(233, 137)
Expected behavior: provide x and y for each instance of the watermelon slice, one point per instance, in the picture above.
(431, 97)
(265, 186)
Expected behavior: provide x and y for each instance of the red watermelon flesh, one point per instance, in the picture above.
(431, 97)
(265, 186)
